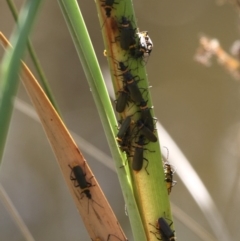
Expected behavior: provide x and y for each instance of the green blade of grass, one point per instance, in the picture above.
(10, 67)
(90, 65)
(150, 190)
(35, 60)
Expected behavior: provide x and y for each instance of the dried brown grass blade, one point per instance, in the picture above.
(98, 218)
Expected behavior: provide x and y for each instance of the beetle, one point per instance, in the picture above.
(132, 87)
(164, 229)
(124, 135)
(142, 128)
(123, 99)
(143, 47)
(130, 91)
(125, 71)
(124, 127)
(122, 67)
(108, 6)
(137, 52)
(146, 115)
(80, 178)
(168, 172)
(145, 41)
(127, 33)
(125, 142)
(138, 158)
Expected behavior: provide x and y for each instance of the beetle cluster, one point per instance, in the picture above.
(137, 125)
(135, 130)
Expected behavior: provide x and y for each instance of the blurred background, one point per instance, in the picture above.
(198, 106)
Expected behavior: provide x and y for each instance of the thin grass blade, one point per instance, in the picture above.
(10, 67)
(35, 60)
(6, 201)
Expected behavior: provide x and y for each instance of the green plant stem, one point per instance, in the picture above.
(10, 67)
(35, 60)
(150, 190)
(90, 65)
